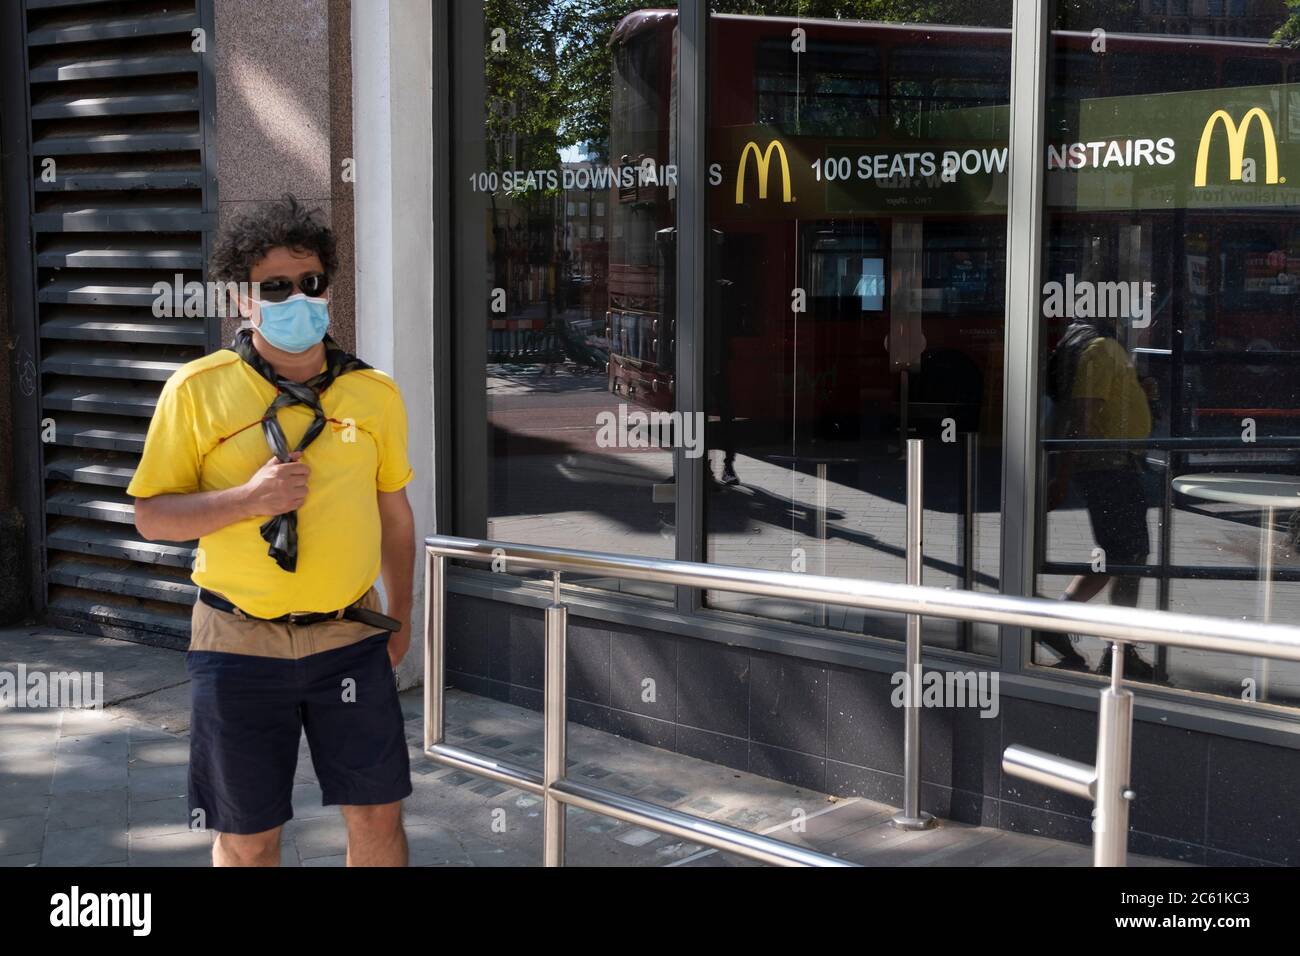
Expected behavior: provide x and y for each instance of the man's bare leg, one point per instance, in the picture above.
(376, 836)
(1124, 593)
(247, 849)
(1083, 587)
(1086, 586)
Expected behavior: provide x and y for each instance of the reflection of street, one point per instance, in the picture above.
(538, 411)
(1205, 535)
(552, 484)
(550, 481)
(539, 334)
(770, 521)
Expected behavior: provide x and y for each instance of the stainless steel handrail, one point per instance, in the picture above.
(1107, 782)
(1135, 625)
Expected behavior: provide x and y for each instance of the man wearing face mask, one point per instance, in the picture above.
(285, 457)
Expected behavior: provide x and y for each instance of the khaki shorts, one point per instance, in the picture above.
(228, 633)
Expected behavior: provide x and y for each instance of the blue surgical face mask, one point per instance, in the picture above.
(296, 324)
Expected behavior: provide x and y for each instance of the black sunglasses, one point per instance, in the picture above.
(277, 290)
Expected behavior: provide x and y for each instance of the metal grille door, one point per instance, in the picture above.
(120, 111)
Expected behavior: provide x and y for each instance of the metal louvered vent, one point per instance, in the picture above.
(124, 197)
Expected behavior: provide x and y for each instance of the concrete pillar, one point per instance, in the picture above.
(284, 121)
(392, 109)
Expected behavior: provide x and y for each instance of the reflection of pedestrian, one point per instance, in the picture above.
(1096, 395)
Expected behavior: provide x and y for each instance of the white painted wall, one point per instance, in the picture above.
(392, 133)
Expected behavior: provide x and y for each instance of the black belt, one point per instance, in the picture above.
(353, 612)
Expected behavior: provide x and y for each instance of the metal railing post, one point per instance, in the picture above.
(1106, 783)
(912, 817)
(1266, 546)
(822, 507)
(970, 510)
(555, 718)
(1114, 752)
(435, 651)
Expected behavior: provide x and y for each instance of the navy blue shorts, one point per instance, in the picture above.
(1117, 508)
(248, 715)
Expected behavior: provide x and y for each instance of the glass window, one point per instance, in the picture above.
(855, 265)
(856, 286)
(1170, 409)
(565, 338)
(1253, 71)
(832, 87)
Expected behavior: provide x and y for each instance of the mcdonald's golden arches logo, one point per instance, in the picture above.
(762, 162)
(1237, 145)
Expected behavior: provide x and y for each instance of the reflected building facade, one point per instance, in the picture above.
(851, 242)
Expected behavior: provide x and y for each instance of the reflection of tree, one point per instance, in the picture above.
(587, 66)
(525, 101)
(1288, 34)
(551, 88)
(525, 110)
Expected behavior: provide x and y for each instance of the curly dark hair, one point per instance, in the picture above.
(285, 223)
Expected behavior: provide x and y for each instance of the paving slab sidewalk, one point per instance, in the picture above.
(107, 787)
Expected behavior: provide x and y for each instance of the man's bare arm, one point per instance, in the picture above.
(276, 488)
(398, 566)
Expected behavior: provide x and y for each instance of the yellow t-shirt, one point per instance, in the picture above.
(206, 435)
(1105, 374)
